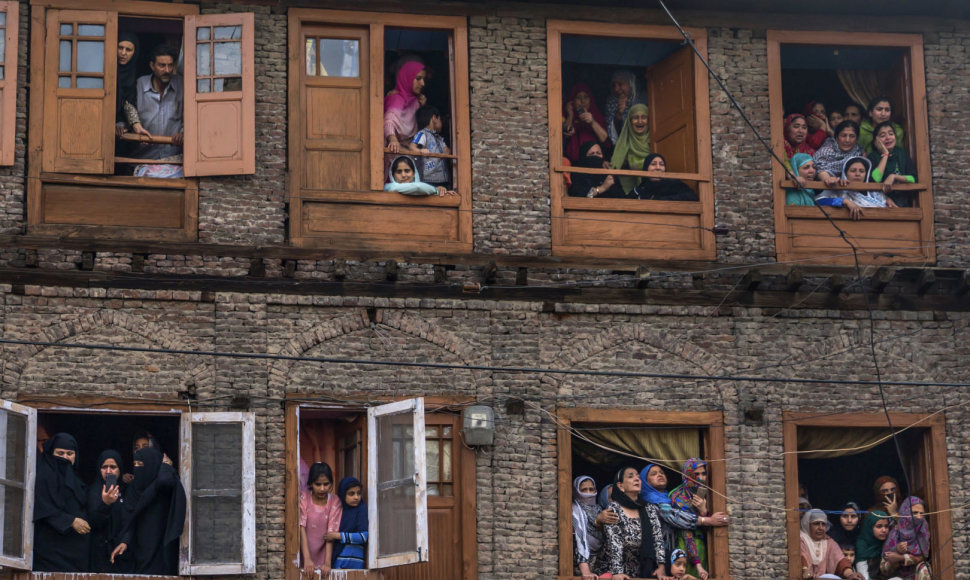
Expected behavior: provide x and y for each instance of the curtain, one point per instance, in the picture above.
(670, 445)
(838, 442)
(862, 85)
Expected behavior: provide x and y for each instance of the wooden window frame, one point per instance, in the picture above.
(8, 84)
(711, 422)
(941, 525)
(30, 453)
(649, 212)
(374, 196)
(882, 225)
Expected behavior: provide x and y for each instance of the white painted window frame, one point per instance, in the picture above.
(30, 453)
(416, 408)
(248, 524)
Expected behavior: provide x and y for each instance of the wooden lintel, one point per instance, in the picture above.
(643, 276)
(882, 278)
(522, 276)
(794, 279)
(836, 283)
(257, 268)
(751, 280)
(926, 279)
(340, 268)
(489, 272)
(963, 284)
(390, 270)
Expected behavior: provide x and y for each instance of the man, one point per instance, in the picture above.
(160, 105)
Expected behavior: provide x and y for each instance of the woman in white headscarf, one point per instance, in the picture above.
(587, 527)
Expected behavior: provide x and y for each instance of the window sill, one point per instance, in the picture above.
(382, 198)
(633, 205)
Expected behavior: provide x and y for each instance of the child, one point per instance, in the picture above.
(404, 179)
(434, 170)
(349, 552)
(320, 513)
(678, 565)
(848, 550)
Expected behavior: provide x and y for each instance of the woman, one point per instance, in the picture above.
(796, 132)
(821, 556)
(886, 493)
(623, 95)
(632, 147)
(634, 546)
(154, 516)
(854, 170)
(61, 529)
(403, 178)
(907, 549)
(891, 164)
(868, 547)
(818, 124)
(803, 168)
(831, 156)
(846, 530)
(401, 105)
(662, 189)
(106, 510)
(880, 111)
(583, 121)
(584, 184)
(653, 485)
(588, 522)
(126, 104)
(691, 496)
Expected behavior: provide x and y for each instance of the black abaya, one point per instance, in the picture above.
(106, 523)
(155, 515)
(59, 498)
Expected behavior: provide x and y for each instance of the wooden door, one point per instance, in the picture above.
(900, 91)
(670, 92)
(443, 449)
(350, 441)
(79, 104)
(334, 109)
(9, 26)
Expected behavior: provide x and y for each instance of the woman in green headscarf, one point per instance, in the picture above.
(868, 546)
(632, 147)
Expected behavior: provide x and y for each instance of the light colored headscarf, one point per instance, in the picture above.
(613, 103)
(816, 549)
(584, 543)
(631, 149)
(416, 187)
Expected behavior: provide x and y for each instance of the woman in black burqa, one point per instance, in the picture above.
(61, 530)
(154, 516)
(106, 512)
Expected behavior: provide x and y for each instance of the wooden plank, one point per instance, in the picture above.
(790, 446)
(719, 554)
(126, 7)
(291, 495)
(818, 185)
(632, 172)
(148, 208)
(631, 230)
(356, 221)
(564, 455)
(8, 84)
(589, 415)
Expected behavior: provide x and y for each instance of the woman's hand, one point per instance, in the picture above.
(128, 477)
(139, 130)
(718, 519)
(332, 536)
(620, 105)
(393, 145)
(109, 495)
(605, 186)
(620, 577)
(587, 118)
(80, 526)
(660, 572)
(606, 517)
(902, 547)
(700, 504)
(444, 191)
(324, 570)
(828, 179)
(586, 572)
(423, 100)
(119, 550)
(855, 212)
(894, 558)
(814, 122)
(880, 147)
(890, 203)
(701, 572)
(892, 507)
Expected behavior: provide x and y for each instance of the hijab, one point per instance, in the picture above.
(416, 187)
(867, 547)
(352, 519)
(842, 535)
(914, 532)
(816, 548)
(683, 493)
(583, 182)
(583, 132)
(57, 483)
(631, 149)
(830, 157)
(401, 105)
(160, 530)
(647, 549)
(647, 492)
(660, 188)
(613, 102)
(105, 455)
(583, 503)
(792, 148)
(127, 74)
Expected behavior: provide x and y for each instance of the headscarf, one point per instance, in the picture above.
(401, 105)
(683, 493)
(830, 157)
(352, 519)
(660, 188)
(416, 187)
(790, 148)
(631, 149)
(914, 532)
(582, 503)
(583, 182)
(867, 547)
(56, 479)
(145, 488)
(816, 548)
(603, 499)
(647, 492)
(677, 554)
(880, 481)
(613, 103)
(840, 534)
(105, 455)
(583, 132)
(647, 549)
(127, 75)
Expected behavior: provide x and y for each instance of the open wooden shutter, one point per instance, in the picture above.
(670, 88)
(397, 484)
(900, 91)
(9, 25)
(218, 468)
(80, 81)
(220, 93)
(18, 447)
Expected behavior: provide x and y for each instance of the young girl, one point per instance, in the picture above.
(890, 163)
(404, 179)
(349, 552)
(678, 565)
(855, 170)
(319, 514)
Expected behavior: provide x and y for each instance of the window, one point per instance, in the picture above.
(81, 174)
(214, 452)
(846, 69)
(674, 436)
(675, 89)
(866, 450)
(337, 155)
(9, 26)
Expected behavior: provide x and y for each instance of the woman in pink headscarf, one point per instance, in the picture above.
(401, 104)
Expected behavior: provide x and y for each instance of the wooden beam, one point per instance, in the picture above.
(643, 276)
(340, 268)
(751, 280)
(794, 279)
(836, 283)
(963, 284)
(489, 272)
(390, 270)
(881, 278)
(926, 279)
(257, 268)
(522, 276)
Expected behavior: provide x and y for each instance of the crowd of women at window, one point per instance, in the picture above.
(634, 528)
(333, 526)
(115, 522)
(412, 126)
(149, 106)
(841, 147)
(619, 140)
(891, 540)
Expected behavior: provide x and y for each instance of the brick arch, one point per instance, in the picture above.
(858, 340)
(18, 358)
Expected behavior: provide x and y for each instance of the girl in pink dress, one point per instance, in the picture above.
(320, 512)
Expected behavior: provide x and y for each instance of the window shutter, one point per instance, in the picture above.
(9, 26)
(220, 110)
(218, 468)
(80, 80)
(18, 447)
(397, 485)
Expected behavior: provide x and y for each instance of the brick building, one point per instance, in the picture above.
(258, 286)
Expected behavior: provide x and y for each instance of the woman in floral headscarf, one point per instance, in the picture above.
(691, 496)
(907, 548)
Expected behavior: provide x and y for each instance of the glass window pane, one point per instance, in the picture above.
(217, 462)
(3, 18)
(311, 56)
(64, 82)
(228, 32)
(90, 30)
(90, 83)
(433, 489)
(203, 86)
(13, 472)
(228, 58)
(64, 62)
(395, 485)
(447, 489)
(67, 29)
(446, 460)
(3, 44)
(340, 58)
(202, 33)
(433, 452)
(202, 60)
(447, 430)
(227, 84)
(90, 56)
(1, 73)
